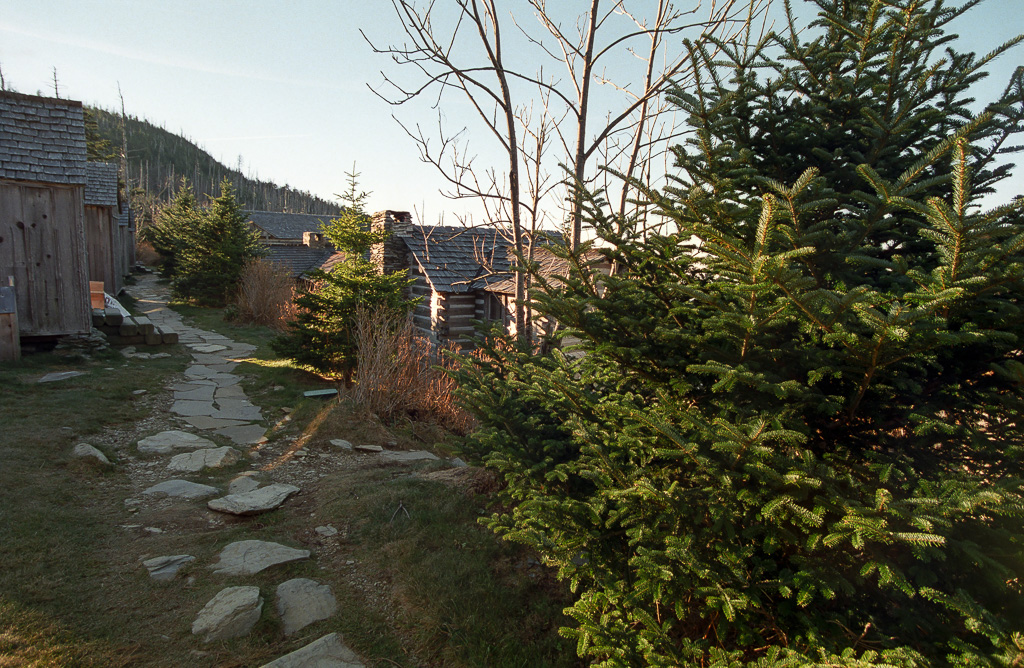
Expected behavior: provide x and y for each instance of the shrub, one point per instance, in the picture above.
(794, 436)
(265, 295)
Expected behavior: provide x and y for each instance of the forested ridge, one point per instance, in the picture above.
(159, 159)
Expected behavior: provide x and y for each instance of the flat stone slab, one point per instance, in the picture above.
(193, 408)
(224, 367)
(320, 394)
(301, 601)
(247, 557)
(230, 392)
(261, 500)
(181, 489)
(199, 371)
(369, 448)
(242, 484)
(327, 652)
(207, 458)
(230, 614)
(86, 451)
(207, 422)
(408, 456)
(163, 569)
(207, 347)
(341, 443)
(166, 442)
(60, 375)
(200, 393)
(243, 434)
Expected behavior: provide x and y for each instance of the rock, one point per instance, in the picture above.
(139, 393)
(207, 347)
(205, 458)
(230, 614)
(243, 434)
(341, 443)
(165, 568)
(327, 652)
(301, 601)
(60, 375)
(166, 442)
(409, 456)
(86, 451)
(242, 484)
(326, 531)
(457, 463)
(255, 502)
(181, 489)
(369, 448)
(246, 557)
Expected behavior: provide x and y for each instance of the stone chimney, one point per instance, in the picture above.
(389, 256)
(313, 239)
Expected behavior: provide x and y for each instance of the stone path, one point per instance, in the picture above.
(212, 401)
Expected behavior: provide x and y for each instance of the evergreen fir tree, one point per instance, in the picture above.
(211, 254)
(794, 436)
(322, 336)
(173, 224)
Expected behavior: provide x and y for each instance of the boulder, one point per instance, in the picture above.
(181, 489)
(257, 501)
(230, 614)
(205, 458)
(247, 557)
(301, 601)
(327, 652)
(165, 568)
(86, 451)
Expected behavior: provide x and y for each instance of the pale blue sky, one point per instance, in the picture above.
(283, 85)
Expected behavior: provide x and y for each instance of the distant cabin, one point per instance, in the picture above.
(109, 237)
(294, 242)
(43, 177)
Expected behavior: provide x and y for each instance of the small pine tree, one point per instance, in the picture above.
(794, 435)
(173, 224)
(323, 335)
(210, 255)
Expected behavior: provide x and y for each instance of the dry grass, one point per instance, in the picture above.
(265, 295)
(401, 373)
(146, 254)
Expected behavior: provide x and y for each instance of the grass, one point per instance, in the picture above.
(431, 588)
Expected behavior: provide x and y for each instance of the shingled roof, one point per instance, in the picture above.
(462, 259)
(297, 260)
(287, 225)
(41, 139)
(101, 184)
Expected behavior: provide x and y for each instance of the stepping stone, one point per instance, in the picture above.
(207, 458)
(243, 434)
(409, 456)
(247, 557)
(199, 371)
(201, 393)
(207, 360)
(243, 483)
(257, 501)
(181, 489)
(224, 367)
(230, 392)
(225, 379)
(193, 408)
(163, 569)
(301, 601)
(60, 375)
(207, 422)
(86, 451)
(166, 442)
(326, 531)
(369, 448)
(188, 387)
(230, 614)
(327, 652)
(207, 347)
(341, 443)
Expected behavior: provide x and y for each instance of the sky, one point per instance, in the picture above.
(283, 88)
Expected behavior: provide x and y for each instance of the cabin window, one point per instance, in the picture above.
(494, 308)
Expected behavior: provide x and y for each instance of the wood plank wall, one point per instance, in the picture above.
(104, 247)
(42, 245)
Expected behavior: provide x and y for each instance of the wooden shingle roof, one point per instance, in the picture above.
(287, 225)
(101, 184)
(297, 260)
(42, 139)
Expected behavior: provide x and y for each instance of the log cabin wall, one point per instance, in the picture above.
(102, 228)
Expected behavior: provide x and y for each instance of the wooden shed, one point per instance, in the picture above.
(103, 232)
(42, 231)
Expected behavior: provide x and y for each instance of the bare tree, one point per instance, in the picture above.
(464, 47)
(56, 84)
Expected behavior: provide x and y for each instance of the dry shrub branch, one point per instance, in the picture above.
(265, 295)
(401, 373)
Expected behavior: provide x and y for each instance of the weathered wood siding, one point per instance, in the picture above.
(42, 246)
(105, 247)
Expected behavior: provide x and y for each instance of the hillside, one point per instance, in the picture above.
(158, 159)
